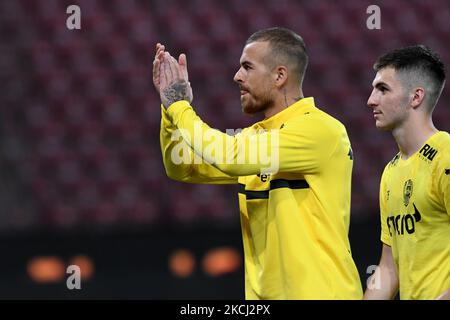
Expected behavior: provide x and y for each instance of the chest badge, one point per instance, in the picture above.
(407, 192)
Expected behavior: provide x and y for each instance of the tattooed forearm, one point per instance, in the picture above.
(175, 92)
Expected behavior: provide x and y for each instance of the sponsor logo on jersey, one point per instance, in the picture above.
(428, 152)
(264, 177)
(404, 223)
(447, 171)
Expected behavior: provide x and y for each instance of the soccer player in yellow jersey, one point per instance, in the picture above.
(415, 185)
(293, 169)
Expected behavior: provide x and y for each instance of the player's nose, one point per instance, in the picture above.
(238, 76)
(372, 102)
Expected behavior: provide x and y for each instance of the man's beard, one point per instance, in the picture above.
(254, 107)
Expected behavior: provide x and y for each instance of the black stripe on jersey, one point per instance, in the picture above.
(264, 194)
(291, 184)
(274, 184)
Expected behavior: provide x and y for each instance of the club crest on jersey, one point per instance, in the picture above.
(407, 192)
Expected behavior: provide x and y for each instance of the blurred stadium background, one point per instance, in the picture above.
(81, 176)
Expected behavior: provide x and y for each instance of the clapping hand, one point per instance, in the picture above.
(170, 77)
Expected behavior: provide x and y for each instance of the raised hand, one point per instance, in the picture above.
(173, 79)
(156, 65)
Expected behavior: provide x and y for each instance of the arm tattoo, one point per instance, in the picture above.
(176, 92)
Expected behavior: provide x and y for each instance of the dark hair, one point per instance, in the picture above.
(286, 47)
(420, 60)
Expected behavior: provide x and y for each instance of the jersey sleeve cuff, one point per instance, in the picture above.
(177, 108)
(386, 241)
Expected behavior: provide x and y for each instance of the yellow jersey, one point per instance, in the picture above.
(415, 218)
(295, 213)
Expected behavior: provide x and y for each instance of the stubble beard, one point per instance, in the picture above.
(252, 107)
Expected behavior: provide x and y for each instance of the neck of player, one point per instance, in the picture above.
(411, 136)
(284, 99)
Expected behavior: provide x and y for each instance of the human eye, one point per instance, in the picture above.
(246, 66)
(383, 89)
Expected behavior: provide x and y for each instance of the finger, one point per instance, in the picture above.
(167, 70)
(159, 47)
(175, 68)
(160, 56)
(182, 61)
(156, 66)
(162, 77)
(160, 53)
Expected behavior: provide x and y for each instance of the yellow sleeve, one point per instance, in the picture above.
(386, 236)
(443, 175)
(302, 146)
(181, 163)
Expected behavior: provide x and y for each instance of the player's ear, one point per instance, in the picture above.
(418, 97)
(280, 74)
